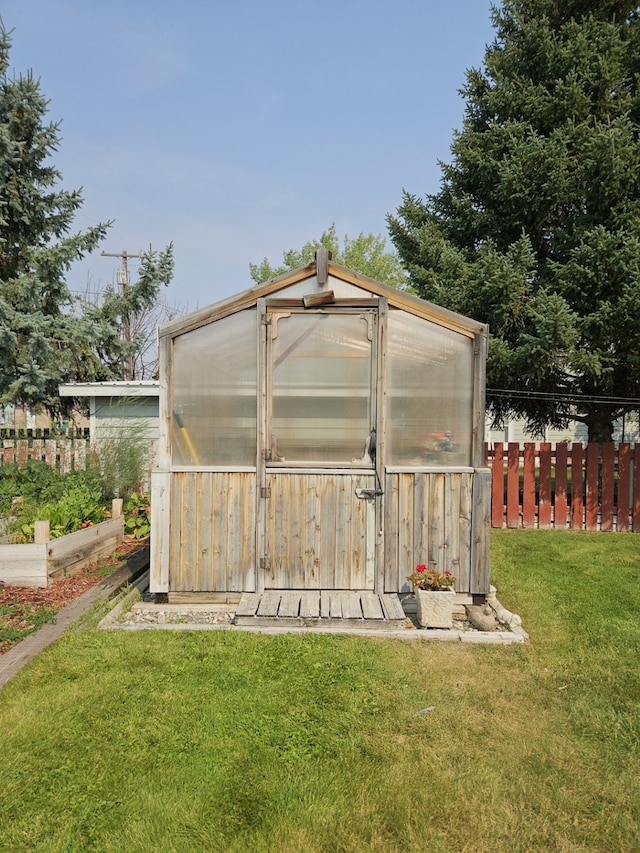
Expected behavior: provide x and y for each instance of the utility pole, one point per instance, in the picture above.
(123, 280)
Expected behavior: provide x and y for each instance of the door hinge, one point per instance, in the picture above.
(265, 491)
(265, 563)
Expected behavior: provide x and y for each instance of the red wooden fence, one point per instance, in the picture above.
(592, 488)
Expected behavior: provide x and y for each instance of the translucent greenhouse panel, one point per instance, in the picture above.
(321, 387)
(430, 393)
(214, 393)
(341, 289)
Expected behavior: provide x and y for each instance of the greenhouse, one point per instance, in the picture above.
(320, 431)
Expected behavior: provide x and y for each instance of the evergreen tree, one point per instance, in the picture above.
(536, 226)
(366, 254)
(41, 344)
(45, 337)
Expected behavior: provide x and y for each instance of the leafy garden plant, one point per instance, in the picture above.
(137, 516)
(425, 578)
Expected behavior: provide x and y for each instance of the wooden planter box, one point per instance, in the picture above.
(36, 564)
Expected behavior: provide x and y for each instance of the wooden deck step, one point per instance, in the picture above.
(321, 608)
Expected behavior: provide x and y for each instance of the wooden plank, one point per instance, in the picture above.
(247, 484)
(325, 604)
(480, 532)
(608, 487)
(289, 604)
(636, 489)
(64, 452)
(391, 606)
(497, 486)
(529, 485)
(394, 580)
(463, 522)
(188, 522)
(238, 533)
(544, 501)
(371, 510)
(203, 534)
(8, 452)
(591, 501)
(248, 604)
(309, 604)
(624, 487)
(335, 605)
(576, 486)
(72, 552)
(380, 531)
(50, 453)
(560, 494)
(480, 350)
(22, 452)
(24, 565)
(371, 607)
(176, 532)
(351, 608)
(513, 485)
(312, 531)
(406, 497)
(437, 552)
(88, 536)
(79, 454)
(219, 531)
(160, 531)
(295, 573)
(329, 533)
(421, 517)
(278, 505)
(37, 451)
(269, 603)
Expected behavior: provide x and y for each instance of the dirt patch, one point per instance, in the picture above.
(24, 609)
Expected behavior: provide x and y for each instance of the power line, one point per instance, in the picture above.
(575, 399)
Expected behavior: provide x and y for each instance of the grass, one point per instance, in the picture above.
(198, 741)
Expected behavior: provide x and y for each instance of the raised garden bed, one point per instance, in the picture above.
(37, 564)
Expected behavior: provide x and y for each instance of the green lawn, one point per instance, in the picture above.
(203, 741)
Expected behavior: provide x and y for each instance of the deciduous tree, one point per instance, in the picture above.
(366, 253)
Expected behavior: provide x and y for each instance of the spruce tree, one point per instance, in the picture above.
(536, 226)
(41, 342)
(48, 336)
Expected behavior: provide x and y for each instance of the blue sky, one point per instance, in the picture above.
(239, 129)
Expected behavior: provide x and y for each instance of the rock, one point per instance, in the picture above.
(481, 620)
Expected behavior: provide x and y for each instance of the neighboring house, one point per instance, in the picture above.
(115, 406)
(121, 411)
(515, 431)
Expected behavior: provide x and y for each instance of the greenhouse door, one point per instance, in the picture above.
(319, 480)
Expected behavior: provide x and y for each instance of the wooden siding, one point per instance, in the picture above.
(428, 520)
(319, 535)
(213, 523)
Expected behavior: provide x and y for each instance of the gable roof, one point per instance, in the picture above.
(270, 288)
